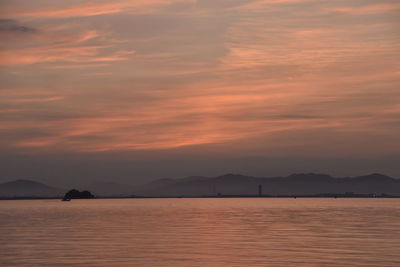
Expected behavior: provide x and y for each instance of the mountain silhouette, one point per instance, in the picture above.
(228, 184)
(295, 184)
(110, 189)
(28, 188)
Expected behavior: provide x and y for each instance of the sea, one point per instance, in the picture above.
(201, 232)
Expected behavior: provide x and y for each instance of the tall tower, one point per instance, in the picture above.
(259, 190)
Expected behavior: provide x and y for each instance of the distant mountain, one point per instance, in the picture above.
(28, 188)
(295, 184)
(228, 184)
(109, 189)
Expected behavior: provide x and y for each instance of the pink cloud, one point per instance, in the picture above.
(52, 10)
(43, 54)
(271, 75)
(368, 9)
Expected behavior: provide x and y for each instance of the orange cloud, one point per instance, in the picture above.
(207, 117)
(61, 45)
(260, 75)
(256, 4)
(86, 10)
(369, 9)
(83, 54)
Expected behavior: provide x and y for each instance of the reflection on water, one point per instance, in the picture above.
(200, 232)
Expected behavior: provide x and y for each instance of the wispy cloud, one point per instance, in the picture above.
(10, 25)
(369, 9)
(51, 10)
(65, 45)
(157, 75)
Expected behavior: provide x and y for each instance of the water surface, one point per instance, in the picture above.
(200, 232)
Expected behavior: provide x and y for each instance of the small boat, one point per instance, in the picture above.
(66, 199)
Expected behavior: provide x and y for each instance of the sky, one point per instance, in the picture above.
(130, 90)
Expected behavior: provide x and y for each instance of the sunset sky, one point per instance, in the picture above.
(133, 90)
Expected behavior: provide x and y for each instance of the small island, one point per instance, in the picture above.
(75, 194)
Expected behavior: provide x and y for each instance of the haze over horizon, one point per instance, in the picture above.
(132, 91)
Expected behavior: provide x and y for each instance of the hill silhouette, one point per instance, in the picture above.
(110, 189)
(28, 188)
(228, 184)
(295, 184)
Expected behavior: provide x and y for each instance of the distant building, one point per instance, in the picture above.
(259, 190)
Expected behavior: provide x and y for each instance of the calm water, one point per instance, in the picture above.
(200, 232)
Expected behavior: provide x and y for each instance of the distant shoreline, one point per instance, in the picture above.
(334, 196)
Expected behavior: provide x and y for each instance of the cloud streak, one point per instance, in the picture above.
(50, 10)
(162, 75)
